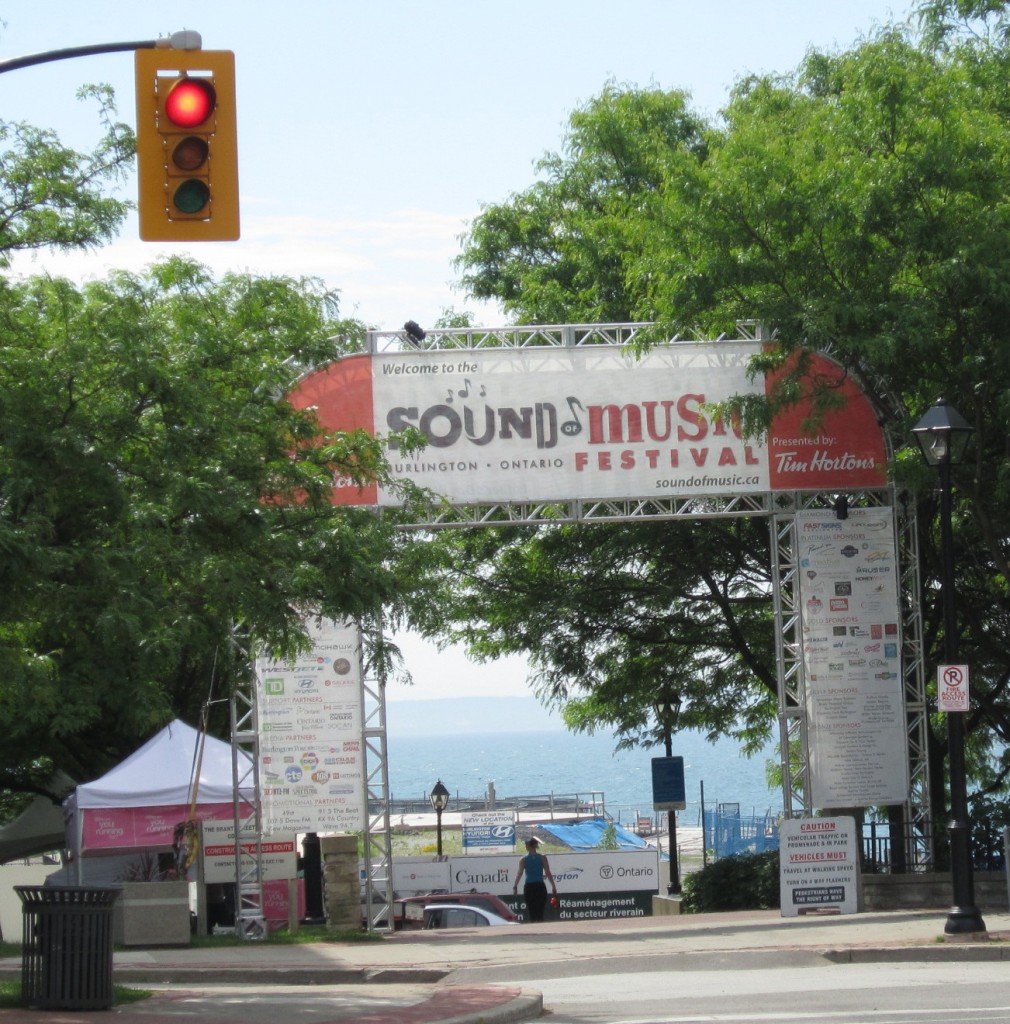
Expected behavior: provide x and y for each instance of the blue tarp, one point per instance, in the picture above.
(586, 834)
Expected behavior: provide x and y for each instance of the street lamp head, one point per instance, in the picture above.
(667, 708)
(943, 435)
(439, 796)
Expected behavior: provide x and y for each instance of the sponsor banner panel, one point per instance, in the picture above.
(310, 715)
(603, 884)
(852, 657)
(603, 871)
(593, 871)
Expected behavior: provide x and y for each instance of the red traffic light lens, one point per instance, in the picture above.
(190, 102)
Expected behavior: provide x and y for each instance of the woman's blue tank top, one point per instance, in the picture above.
(534, 867)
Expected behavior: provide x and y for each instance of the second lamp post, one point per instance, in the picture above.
(439, 797)
(943, 435)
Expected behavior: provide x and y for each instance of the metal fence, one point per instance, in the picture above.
(729, 833)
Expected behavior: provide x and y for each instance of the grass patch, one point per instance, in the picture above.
(10, 995)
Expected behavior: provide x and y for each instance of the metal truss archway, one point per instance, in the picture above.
(779, 508)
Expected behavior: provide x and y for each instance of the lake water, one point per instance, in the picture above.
(537, 763)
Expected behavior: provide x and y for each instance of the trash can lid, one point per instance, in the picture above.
(76, 894)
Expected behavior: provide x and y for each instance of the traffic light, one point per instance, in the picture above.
(187, 149)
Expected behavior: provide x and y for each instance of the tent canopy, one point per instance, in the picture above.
(161, 773)
(141, 802)
(40, 827)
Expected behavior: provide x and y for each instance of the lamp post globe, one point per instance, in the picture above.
(943, 435)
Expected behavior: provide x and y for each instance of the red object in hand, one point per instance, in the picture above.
(554, 901)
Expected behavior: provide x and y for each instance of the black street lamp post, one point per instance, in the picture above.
(943, 435)
(439, 801)
(668, 711)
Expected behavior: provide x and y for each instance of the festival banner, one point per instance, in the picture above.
(596, 422)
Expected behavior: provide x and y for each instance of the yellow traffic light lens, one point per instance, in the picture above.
(191, 153)
(190, 102)
(191, 196)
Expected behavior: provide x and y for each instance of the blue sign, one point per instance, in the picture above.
(668, 784)
(494, 829)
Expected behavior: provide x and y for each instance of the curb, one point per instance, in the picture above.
(465, 1005)
(939, 953)
(260, 975)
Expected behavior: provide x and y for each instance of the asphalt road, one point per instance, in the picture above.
(797, 987)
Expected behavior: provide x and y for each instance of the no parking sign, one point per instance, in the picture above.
(952, 687)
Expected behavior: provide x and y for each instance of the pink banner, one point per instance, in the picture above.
(116, 828)
(276, 902)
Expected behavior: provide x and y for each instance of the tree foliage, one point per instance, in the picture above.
(858, 204)
(158, 494)
(55, 197)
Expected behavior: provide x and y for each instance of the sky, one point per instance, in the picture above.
(371, 133)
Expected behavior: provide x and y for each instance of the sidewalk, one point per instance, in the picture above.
(425, 977)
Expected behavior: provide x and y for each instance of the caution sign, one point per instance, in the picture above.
(818, 866)
(952, 687)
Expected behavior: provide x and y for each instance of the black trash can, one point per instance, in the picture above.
(66, 952)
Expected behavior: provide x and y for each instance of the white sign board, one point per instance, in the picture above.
(818, 865)
(851, 639)
(416, 876)
(310, 711)
(489, 831)
(277, 854)
(952, 688)
(592, 884)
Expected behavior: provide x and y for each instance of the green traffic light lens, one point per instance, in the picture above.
(191, 196)
(190, 102)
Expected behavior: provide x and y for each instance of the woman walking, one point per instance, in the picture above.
(536, 868)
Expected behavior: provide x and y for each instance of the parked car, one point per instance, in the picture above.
(410, 909)
(456, 915)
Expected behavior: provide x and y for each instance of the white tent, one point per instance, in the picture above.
(138, 804)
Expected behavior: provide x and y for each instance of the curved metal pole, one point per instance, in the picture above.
(185, 40)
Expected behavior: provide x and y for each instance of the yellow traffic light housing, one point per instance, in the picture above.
(187, 146)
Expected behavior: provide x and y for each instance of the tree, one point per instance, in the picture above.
(54, 197)
(858, 204)
(157, 493)
(561, 250)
